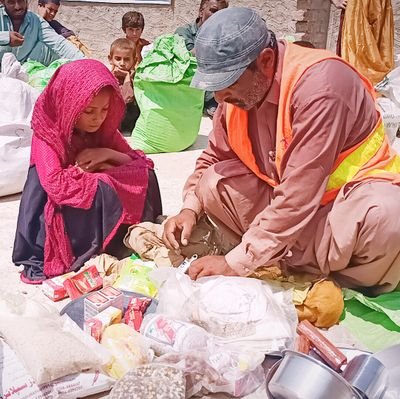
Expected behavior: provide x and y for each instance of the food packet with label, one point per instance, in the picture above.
(134, 277)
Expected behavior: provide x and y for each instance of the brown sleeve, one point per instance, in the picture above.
(127, 92)
(217, 150)
(331, 110)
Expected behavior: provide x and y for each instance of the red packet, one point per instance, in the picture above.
(135, 311)
(83, 282)
(54, 288)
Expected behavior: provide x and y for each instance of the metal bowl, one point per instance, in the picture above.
(389, 357)
(299, 376)
(368, 375)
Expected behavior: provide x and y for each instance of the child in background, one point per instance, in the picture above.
(85, 185)
(133, 25)
(122, 58)
(48, 10)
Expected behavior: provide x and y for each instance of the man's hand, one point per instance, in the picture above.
(210, 266)
(16, 39)
(93, 159)
(341, 4)
(178, 229)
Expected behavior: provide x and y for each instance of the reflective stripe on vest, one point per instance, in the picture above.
(370, 158)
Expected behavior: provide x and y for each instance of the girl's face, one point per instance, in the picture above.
(95, 113)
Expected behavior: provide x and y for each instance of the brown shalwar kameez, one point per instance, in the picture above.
(356, 238)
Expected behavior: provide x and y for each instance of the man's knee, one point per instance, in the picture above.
(381, 224)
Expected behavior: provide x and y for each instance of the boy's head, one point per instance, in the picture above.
(133, 25)
(16, 9)
(208, 8)
(122, 54)
(48, 9)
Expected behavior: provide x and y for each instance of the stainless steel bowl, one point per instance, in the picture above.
(389, 357)
(301, 377)
(368, 375)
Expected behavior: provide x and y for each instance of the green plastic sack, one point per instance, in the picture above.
(375, 322)
(170, 110)
(39, 75)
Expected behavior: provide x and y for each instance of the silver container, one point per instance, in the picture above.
(301, 377)
(389, 357)
(368, 375)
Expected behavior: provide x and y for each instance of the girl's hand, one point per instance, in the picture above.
(92, 159)
(97, 159)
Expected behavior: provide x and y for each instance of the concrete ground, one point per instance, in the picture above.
(172, 170)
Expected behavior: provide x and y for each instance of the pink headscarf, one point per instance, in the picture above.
(56, 112)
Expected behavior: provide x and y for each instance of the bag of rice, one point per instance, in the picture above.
(16, 383)
(48, 345)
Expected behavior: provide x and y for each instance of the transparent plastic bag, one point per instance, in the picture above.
(166, 334)
(54, 347)
(234, 310)
(128, 348)
(218, 369)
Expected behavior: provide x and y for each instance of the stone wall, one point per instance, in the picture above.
(315, 21)
(98, 24)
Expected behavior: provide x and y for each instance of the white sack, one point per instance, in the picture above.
(17, 100)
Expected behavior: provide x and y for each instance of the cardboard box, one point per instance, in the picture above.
(81, 283)
(97, 324)
(102, 299)
(54, 287)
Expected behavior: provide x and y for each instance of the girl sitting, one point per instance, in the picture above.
(85, 185)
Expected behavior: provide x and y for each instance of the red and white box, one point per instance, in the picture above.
(81, 283)
(96, 325)
(102, 299)
(54, 287)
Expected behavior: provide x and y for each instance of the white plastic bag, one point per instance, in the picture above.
(17, 100)
(166, 334)
(235, 310)
(391, 117)
(390, 86)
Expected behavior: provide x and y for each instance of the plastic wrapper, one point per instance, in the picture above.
(135, 311)
(170, 335)
(219, 369)
(134, 277)
(127, 347)
(152, 381)
(234, 310)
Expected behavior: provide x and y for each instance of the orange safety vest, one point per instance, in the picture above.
(372, 157)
